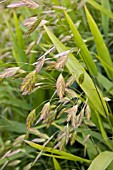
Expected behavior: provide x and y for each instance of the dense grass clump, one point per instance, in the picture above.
(56, 85)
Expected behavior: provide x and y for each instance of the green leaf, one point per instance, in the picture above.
(68, 156)
(12, 126)
(105, 19)
(18, 42)
(56, 164)
(107, 84)
(19, 35)
(110, 68)
(85, 54)
(100, 45)
(103, 132)
(56, 2)
(101, 8)
(102, 161)
(89, 145)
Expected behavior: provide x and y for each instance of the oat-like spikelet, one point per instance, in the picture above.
(80, 117)
(28, 83)
(16, 4)
(60, 86)
(30, 4)
(70, 93)
(70, 80)
(33, 26)
(88, 112)
(40, 64)
(61, 62)
(86, 138)
(72, 109)
(73, 137)
(30, 119)
(29, 47)
(29, 22)
(44, 112)
(72, 115)
(8, 72)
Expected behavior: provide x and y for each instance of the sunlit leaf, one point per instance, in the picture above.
(56, 164)
(102, 161)
(100, 45)
(65, 155)
(85, 54)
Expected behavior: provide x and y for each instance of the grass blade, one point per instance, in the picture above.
(18, 42)
(101, 8)
(100, 45)
(83, 48)
(103, 132)
(105, 19)
(102, 161)
(56, 2)
(105, 83)
(56, 151)
(56, 164)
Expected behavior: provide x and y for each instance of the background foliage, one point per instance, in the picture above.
(56, 84)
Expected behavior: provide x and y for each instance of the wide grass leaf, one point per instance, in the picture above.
(100, 45)
(105, 19)
(56, 164)
(101, 8)
(65, 155)
(102, 161)
(85, 54)
(107, 84)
